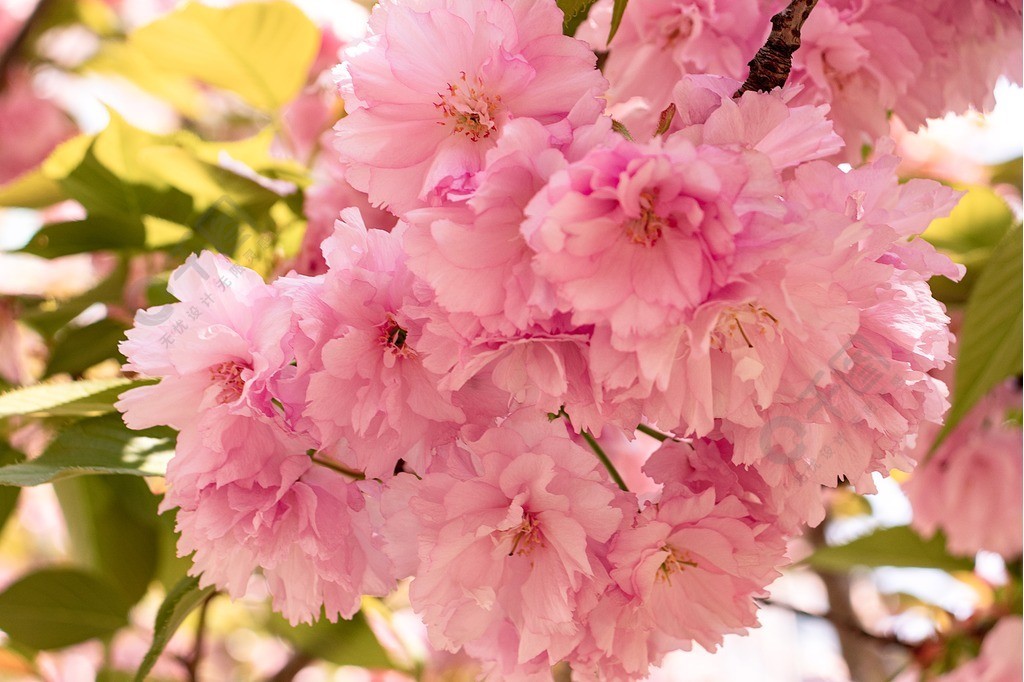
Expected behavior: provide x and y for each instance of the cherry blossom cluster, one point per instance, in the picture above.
(870, 60)
(433, 403)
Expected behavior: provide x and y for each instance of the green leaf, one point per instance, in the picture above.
(58, 607)
(171, 568)
(992, 335)
(93, 233)
(257, 152)
(899, 546)
(260, 50)
(618, 9)
(101, 445)
(347, 642)
(575, 12)
(108, 176)
(969, 236)
(1009, 173)
(8, 495)
(179, 602)
(49, 317)
(205, 182)
(112, 523)
(66, 399)
(83, 347)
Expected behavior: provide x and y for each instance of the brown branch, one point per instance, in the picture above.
(847, 623)
(191, 662)
(770, 67)
(292, 667)
(10, 52)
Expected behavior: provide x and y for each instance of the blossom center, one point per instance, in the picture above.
(526, 536)
(681, 29)
(228, 376)
(648, 227)
(739, 326)
(675, 562)
(394, 337)
(468, 108)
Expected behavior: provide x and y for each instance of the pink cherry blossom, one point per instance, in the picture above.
(328, 196)
(22, 351)
(1000, 659)
(222, 347)
(473, 255)
(367, 382)
(634, 237)
(660, 41)
(249, 497)
(970, 487)
(861, 410)
(710, 534)
(505, 545)
(870, 59)
(693, 564)
(435, 82)
(30, 126)
(973, 45)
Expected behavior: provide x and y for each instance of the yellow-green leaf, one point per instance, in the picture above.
(900, 546)
(992, 336)
(77, 398)
(260, 50)
(118, 59)
(31, 190)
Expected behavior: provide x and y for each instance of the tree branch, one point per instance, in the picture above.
(292, 667)
(770, 67)
(10, 52)
(191, 662)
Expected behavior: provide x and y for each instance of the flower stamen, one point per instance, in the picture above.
(730, 333)
(394, 337)
(676, 562)
(527, 534)
(469, 109)
(228, 375)
(647, 228)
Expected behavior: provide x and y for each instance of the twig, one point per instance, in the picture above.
(837, 622)
(191, 662)
(292, 667)
(334, 466)
(601, 455)
(9, 53)
(658, 435)
(770, 67)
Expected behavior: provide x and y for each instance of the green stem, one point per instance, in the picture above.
(604, 460)
(644, 428)
(658, 435)
(359, 476)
